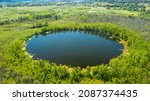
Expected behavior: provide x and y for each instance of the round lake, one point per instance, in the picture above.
(73, 48)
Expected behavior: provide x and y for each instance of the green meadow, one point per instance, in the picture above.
(131, 27)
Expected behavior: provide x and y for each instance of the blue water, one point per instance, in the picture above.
(73, 48)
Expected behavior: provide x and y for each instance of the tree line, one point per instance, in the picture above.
(18, 67)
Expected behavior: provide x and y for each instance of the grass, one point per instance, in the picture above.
(14, 33)
(16, 12)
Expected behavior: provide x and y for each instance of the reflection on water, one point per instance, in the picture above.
(73, 48)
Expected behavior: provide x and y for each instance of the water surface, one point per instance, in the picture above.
(73, 48)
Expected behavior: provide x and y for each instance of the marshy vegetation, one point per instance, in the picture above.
(18, 24)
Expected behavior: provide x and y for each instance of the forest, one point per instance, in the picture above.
(128, 22)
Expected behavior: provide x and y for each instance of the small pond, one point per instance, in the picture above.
(73, 48)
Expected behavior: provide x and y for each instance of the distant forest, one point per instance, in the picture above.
(111, 1)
